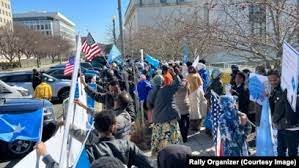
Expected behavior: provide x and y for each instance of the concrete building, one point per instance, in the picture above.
(254, 19)
(143, 13)
(49, 23)
(5, 12)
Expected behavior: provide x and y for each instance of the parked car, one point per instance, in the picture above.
(20, 148)
(59, 73)
(60, 87)
(7, 91)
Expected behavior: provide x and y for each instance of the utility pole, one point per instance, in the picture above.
(121, 29)
(114, 36)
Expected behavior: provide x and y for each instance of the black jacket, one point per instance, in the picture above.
(243, 96)
(123, 150)
(108, 101)
(283, 116)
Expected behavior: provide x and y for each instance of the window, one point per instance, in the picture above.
(46, 26)
(38, 27)
(8, 6)
(17, 78)
(163, 1)
(42, 27)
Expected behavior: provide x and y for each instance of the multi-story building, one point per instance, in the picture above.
(49, 23)
(5, 13)
(234, 16)
(143, 13)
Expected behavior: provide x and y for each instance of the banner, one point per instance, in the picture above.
(257, 87)
(290, 73)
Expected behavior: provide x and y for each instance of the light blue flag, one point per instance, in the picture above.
(115, 56)
(264, 135)
(22, 126)
(152, 61)
(186, 53)
(83, 161)
(256, 88)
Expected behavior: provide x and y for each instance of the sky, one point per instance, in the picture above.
(92, 16)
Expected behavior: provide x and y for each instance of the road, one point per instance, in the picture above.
(11, 163)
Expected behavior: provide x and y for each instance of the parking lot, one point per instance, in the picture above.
(9, 162)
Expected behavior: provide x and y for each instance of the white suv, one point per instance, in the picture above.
(7, 91)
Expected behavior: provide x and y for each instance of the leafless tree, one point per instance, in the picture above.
(257, 29)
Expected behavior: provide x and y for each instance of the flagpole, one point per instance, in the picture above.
(40, 137)
(70, 111)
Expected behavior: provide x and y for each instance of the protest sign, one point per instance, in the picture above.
(289, 73)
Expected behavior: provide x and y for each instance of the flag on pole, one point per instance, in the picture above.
(215, 113)
(22, 126)
(152, 61)
(186, 53)
(115, 56)
(91, 49)
(69, 66)
(264, 135)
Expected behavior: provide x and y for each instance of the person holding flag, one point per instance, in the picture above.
(124, 150)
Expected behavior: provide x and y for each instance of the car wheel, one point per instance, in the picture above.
(64, 95)
(20, 148)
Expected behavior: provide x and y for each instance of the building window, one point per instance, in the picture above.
(163, 1)
(38, 27)
(42, 27)
(8, 6)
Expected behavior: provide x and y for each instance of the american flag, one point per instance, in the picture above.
(90, 48)
(69, 66)
(216, 112)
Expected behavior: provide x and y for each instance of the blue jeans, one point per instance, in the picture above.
(287, 140)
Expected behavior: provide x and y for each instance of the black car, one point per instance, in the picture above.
(20, 148)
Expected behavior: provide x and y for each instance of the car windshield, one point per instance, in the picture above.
(46, 76)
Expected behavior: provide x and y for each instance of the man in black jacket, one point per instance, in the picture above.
(108, 98)
(287, 129)
(107, 145)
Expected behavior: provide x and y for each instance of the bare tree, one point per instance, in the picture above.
(256, 29)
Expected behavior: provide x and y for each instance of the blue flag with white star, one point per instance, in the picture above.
(21, 126)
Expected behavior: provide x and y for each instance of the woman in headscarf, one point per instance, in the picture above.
(165, 115)
(195, 84)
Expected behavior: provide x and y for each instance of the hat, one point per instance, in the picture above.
(158, 80)
(201, 66)
(216, 73)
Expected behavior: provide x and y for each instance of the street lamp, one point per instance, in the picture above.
(114, 36)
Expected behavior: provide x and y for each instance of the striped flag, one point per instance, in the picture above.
(215, 113)
(69, 66)
(91, 49)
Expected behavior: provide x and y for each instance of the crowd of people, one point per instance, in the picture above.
(177, 100)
